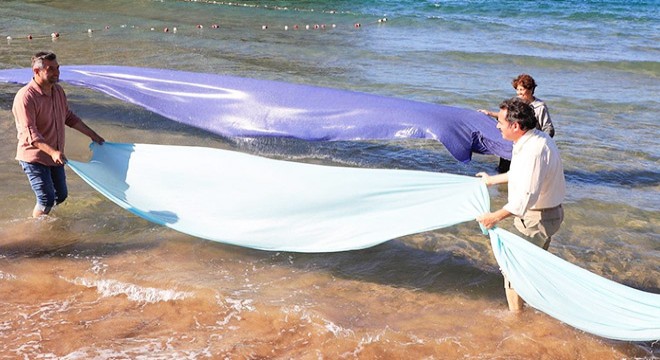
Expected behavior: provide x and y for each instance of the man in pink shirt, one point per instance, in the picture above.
(41, 110)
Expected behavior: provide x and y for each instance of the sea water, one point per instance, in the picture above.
(94, 281)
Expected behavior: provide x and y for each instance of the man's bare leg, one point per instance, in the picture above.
(512, 298)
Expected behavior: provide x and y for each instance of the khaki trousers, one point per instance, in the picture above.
(537, 226)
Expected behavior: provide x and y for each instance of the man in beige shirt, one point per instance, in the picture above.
(41, 110)
(536, 186)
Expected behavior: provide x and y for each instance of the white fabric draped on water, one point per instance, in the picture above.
(268, 204)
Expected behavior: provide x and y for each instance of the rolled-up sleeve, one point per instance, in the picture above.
(25, 113)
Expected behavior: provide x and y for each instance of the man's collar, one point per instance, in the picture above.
(33, 84)
(521, 140)
(39, 88)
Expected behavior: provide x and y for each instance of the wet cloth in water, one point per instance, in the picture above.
(270, 204)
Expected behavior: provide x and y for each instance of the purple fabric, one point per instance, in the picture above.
(239, 107)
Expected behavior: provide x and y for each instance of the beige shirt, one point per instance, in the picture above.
(41, 117)
(536, 176)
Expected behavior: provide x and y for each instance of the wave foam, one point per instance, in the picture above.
(6, 276)
(108, 288)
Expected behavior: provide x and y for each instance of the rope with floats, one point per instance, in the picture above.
(295, 27)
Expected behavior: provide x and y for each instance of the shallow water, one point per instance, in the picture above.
(94, 281)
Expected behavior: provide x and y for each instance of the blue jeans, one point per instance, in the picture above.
(48, 184)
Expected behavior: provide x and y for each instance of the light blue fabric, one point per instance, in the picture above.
(270, 204)
(574, 295)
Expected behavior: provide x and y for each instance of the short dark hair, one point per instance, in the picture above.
(38, 58)
(519, 112)
(526, 81)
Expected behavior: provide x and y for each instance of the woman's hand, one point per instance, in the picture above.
(489, 113)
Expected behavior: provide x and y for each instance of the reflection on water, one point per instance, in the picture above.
(172, 296)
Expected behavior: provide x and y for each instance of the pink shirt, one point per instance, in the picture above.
(41, 117)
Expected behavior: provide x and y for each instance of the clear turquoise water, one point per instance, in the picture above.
(88, 273)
